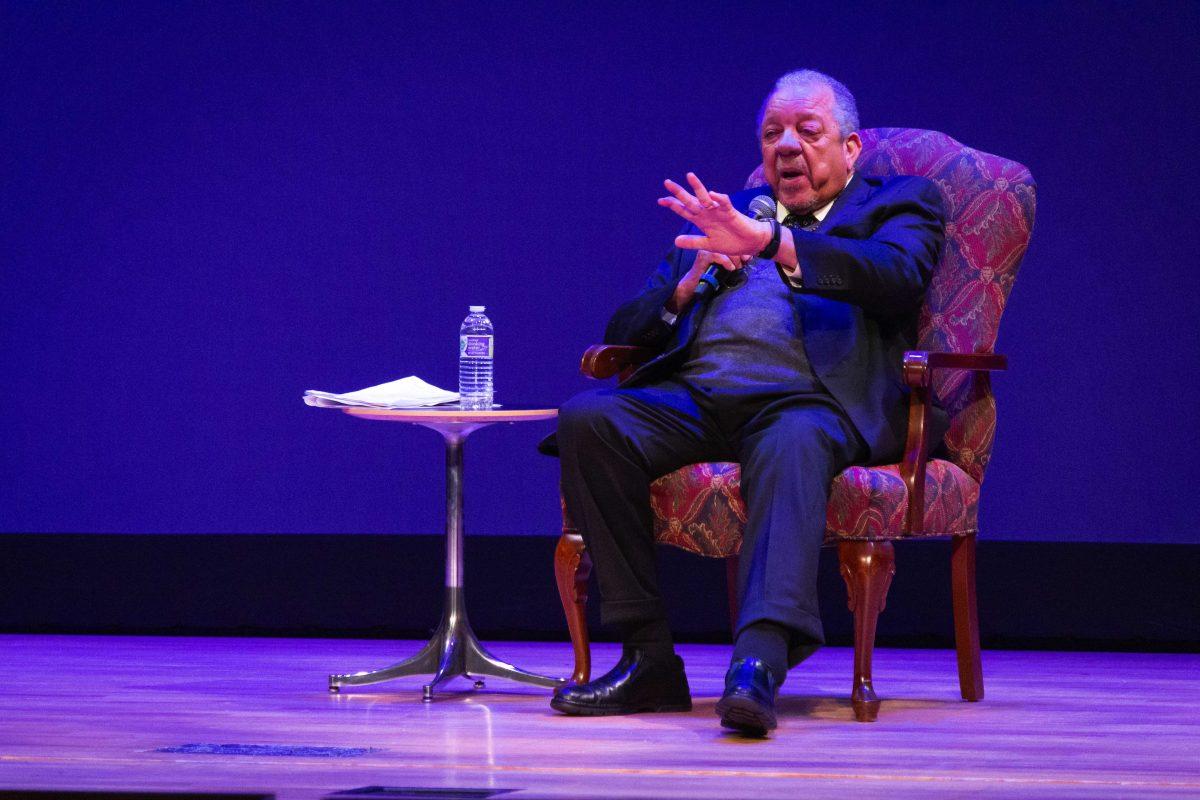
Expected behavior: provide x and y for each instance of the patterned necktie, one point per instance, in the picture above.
(803, 221)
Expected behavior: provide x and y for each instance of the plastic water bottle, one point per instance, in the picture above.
(476, 343)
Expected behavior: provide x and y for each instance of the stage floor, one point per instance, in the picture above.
(94, 712)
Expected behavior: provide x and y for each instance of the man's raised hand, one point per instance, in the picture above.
(726, 230)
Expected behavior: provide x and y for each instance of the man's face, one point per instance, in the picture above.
(805, 159)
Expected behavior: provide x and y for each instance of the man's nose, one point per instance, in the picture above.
(788, 141)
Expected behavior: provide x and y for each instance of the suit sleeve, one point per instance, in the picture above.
(885, 273)
(639, 322)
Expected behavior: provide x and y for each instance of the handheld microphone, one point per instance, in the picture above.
(761, 207)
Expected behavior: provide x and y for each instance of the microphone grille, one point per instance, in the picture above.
(762, 207)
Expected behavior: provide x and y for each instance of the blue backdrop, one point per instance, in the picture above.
(207, 208)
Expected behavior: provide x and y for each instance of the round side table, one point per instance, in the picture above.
(454, 649)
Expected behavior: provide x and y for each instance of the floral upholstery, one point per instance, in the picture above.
(990, 205)
(699, 508)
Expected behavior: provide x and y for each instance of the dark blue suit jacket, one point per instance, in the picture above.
(864, 272)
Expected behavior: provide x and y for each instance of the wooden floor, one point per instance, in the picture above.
(91, 712)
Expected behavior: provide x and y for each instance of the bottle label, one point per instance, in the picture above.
(475, 346)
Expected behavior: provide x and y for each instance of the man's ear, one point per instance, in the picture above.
(851, 148)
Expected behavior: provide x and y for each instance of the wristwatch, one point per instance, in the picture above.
(772, 247)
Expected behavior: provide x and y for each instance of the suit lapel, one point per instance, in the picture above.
(829, 325)
(848, 202)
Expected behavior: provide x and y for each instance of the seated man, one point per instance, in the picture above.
(791, 368)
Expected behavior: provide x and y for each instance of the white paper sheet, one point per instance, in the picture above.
(410, 392)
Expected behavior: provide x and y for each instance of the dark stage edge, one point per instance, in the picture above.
(1031, 594)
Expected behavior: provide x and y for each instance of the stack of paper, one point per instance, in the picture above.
(410, 392)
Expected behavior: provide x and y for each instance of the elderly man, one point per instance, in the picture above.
(791, 368)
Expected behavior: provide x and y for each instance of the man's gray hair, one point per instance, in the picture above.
(845, 110)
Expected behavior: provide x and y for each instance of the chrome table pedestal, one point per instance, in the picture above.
(454, 649)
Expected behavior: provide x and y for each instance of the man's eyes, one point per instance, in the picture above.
(807, 133)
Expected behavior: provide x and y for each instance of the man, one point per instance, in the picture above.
(791, 368)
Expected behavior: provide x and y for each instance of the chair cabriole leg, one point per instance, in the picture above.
(966, 617)
(731, 575)
(572, 568)
(867, 568)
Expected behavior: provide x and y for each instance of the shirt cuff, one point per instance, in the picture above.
(668, 317)
(792, 275)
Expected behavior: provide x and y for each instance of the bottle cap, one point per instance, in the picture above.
(476, 309)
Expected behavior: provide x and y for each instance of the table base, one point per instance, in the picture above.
(453, 651)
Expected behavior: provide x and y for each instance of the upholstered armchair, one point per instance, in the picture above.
(990, 204)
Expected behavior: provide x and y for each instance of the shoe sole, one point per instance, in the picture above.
(582, 710)
(741, 713)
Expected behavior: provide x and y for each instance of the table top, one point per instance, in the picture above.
(454, 414)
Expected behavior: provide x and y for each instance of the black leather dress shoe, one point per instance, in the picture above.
(748, 704)
(635, 684)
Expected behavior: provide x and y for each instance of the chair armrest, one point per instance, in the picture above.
(920, 364)
(918, 375)
(605, 360)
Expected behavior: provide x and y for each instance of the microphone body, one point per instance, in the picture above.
(761, 207)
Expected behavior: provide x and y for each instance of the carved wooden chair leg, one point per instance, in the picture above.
(867, 568)
(572, 568)
(731, 573)
(966, 617)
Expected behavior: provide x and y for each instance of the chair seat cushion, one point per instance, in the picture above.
(700, 507)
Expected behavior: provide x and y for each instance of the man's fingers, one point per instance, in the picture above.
(676, 206)
(698, 187)
(703, 199)
(692, 242)
(682, 195)
(729, 262)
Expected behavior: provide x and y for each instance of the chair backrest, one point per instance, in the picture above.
(990, 205)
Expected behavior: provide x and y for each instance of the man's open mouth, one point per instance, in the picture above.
(791, 174)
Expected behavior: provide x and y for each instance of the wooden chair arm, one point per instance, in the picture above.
(605, 360)
(919, 364)
(918, 375)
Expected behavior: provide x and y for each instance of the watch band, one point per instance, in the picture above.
(772, 247)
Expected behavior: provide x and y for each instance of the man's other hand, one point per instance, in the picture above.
(686, 288)
(726, 230)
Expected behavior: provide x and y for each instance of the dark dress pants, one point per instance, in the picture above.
(614, 442)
